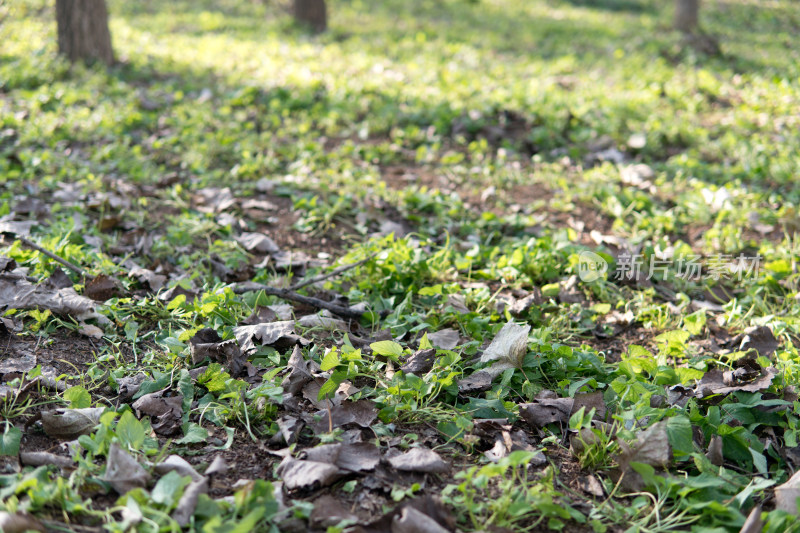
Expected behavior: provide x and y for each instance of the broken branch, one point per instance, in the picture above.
(288, 294)
(335, 272)
(30, 244)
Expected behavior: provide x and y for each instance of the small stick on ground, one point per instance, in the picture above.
(336, 271)
(75, 268)
(288, 294)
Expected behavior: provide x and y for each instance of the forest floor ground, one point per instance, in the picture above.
(568, 296)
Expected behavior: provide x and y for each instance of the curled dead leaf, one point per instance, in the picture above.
(123, 472)
(420, 460)
(69, 424)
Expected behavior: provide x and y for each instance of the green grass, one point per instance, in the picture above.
(521, 96)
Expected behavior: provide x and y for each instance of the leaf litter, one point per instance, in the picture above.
(152, 338)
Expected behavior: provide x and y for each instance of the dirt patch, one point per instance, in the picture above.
(399, 177)
(65, 352)
(613, 346)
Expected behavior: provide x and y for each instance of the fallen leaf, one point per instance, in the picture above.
(281, 335)
(289, 428)
(176, 463)
(430, 507)
(123, 473)
(175, 291)
(299, 372)
(786, 495)
(590, 400)
(358, 457)
(521, 306)
(355, 457)
(207, 343)
(17, 364)
(497, 452)
(420, 362)
(258, 243)
(101, 288)
(446, 339)
(509, 346)
(328, 512)
(69, 424)
(420, 460)
(166, 411)
(760, 339)
(590, 485)
(361, 413)
(258, 205)
(284, 311)
(714, 382)
(637, 141)
(217, 466)
(188, 503)
(458, 303)
(545, 411)
(714, 453)
(21, 228)
(149, 278)
(409, 520)
(479, 381)
(19, 523)
(753, 524)
(651, 447)
(16, 292)
(129, 385)
(324, 322)
(260, 315)
(59, 279)
(215, 199)
(91, 331)
(299, 474)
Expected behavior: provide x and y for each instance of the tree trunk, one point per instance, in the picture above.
(83, 30)
(312, 13)
(686, 15)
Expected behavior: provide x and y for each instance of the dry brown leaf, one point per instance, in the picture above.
(420, 460)
(16, 292)
(753, 524)
(786, 495)
(207, 343)
(420, 362)
(166, 411)
(19, 523)
(123, 473)
(188, 501)
(176, 463)
(258, 243)
(299, 372)
(328, 512)
(69, 424)
(298, 474)
(278, 334)
(446, 339)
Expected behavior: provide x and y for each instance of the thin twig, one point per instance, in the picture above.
(288, 294)
(336, 271)
(75, 268)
